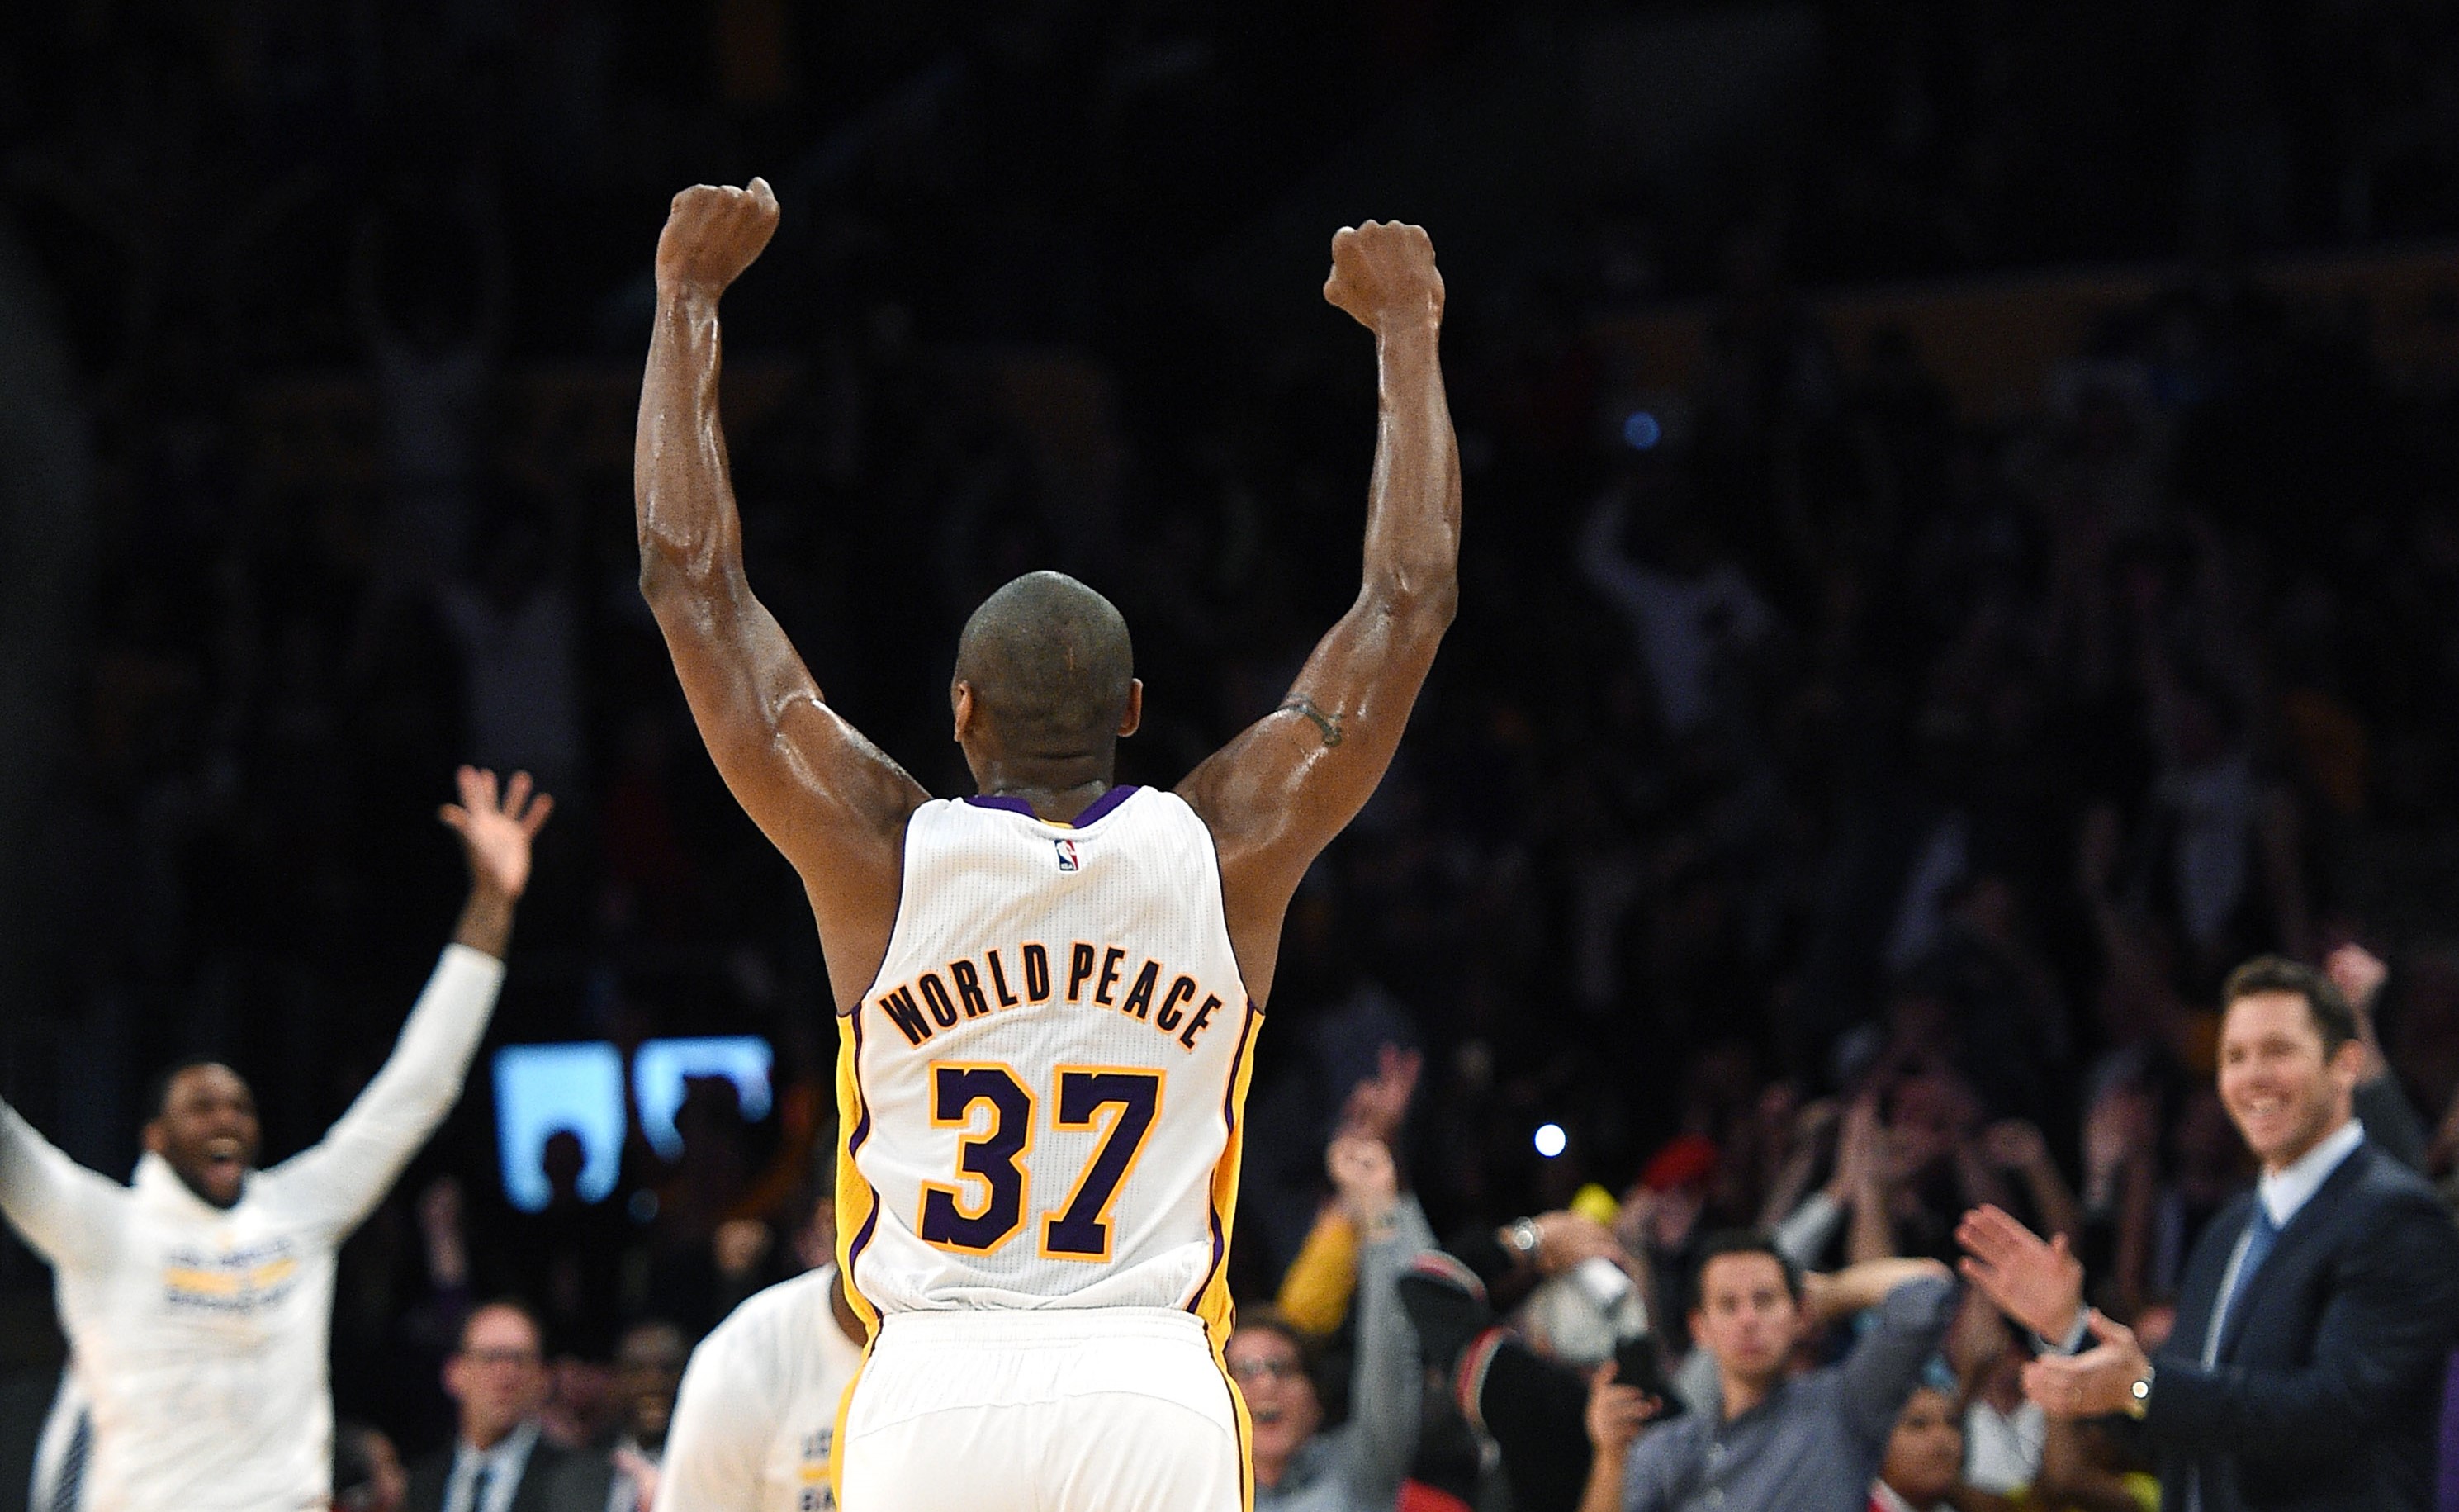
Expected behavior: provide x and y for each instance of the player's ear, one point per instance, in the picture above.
(157, 1139)
(960, 703)
(1133, 719)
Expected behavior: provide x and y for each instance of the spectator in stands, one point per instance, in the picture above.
(368, 1476)
(624, 1478)
(1659, 1223)
(1774, 1439)
(1301, 1466)
(2003, 1432)
(1923, 1470)
(1317, 1287)
(497, 1378)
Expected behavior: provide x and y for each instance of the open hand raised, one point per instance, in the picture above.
(495, 830)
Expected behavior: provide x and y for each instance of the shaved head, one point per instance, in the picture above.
(1050, 667)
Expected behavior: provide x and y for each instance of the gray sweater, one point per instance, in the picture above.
(1358, 1466)
(1815, 1443)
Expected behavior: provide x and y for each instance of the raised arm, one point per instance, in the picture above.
(1915, 1302)
(337, 1180)
(1387, 1378)
(65, 1213)
(1275, 795)
(824, 795)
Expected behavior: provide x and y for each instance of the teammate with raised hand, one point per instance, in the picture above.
(198, 1300)
(1049, 989)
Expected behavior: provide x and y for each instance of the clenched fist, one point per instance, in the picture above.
(712, 234)
(1383, 272)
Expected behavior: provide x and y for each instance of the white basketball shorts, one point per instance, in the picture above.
(1084, 1410)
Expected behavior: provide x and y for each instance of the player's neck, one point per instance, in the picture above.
(1056, 796)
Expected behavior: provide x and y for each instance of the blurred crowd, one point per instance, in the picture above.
(1828, 793)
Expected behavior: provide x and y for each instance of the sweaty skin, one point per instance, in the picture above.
(836, 805)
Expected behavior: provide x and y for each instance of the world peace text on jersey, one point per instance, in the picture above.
(929, 1003)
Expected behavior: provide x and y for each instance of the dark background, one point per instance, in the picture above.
(2037, 594)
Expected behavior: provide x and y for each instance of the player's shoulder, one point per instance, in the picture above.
(780, 1312)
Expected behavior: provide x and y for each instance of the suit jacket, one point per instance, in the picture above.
(2326, 1393)
(432, 1475)
(586, 1484)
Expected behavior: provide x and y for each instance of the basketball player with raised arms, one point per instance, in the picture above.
(197, 1299)
(1049, 991)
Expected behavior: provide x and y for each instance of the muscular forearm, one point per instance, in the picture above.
(683, 505)
(1413, 509)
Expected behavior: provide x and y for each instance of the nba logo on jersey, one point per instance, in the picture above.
(1066, 854)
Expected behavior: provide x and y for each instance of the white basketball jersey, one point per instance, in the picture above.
(1041, 1092)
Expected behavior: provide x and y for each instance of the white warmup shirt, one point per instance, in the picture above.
(1043, 1087)
(755, 1422)
(201, 1336)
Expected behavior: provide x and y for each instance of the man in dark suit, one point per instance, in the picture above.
(498, 1461)
(2316, 1311)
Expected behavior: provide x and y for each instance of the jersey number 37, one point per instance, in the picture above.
(984, 1218)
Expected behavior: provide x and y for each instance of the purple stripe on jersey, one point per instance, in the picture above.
(853, 1146)
(1002, 801)
(1219, 1249)
(1103, 804)
(1230, 1119)
(1098, 807)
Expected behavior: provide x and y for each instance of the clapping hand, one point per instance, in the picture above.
(2038, 1284)
(2094, 1383)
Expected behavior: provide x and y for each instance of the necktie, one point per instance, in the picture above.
(68, 1492)
(2259, 1235)
(481, 1487)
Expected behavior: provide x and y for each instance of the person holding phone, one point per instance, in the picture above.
(1775, 1438)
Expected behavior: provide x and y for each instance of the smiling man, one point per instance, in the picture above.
(2316, 1312)
(198, 1300)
